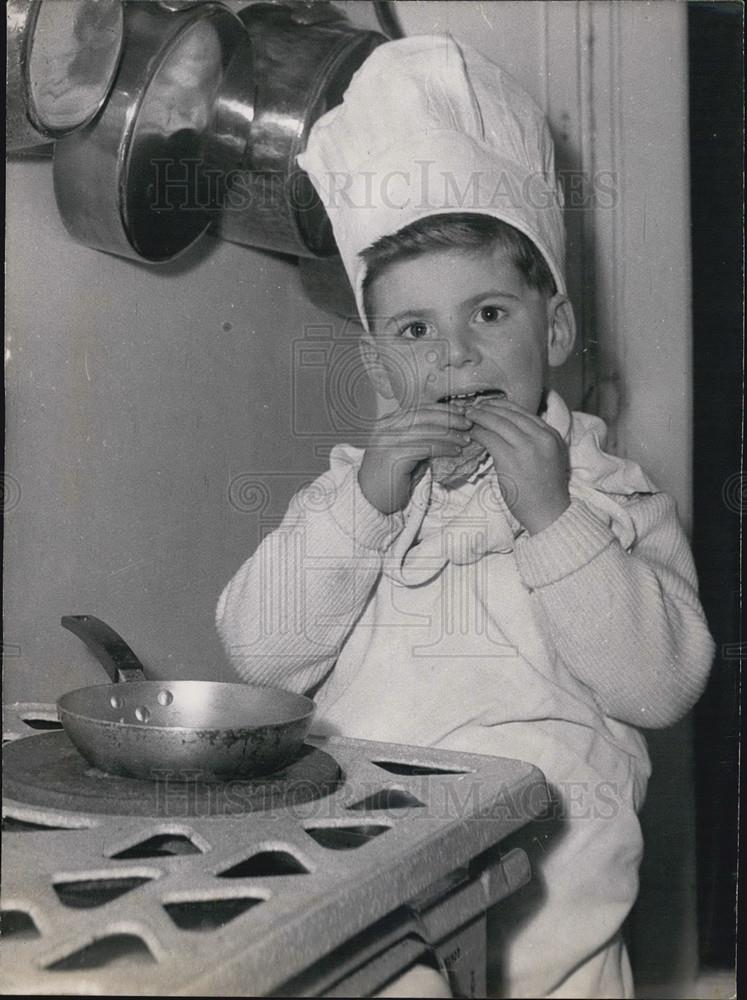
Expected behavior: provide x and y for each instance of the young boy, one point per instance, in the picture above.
(482, 576)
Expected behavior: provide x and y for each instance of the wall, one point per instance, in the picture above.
(136, 395)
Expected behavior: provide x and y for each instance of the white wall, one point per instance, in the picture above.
(136, 394)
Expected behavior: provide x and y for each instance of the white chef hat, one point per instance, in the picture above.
(428, 126)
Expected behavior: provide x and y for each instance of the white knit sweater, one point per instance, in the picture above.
(611, 581)
(447, 625)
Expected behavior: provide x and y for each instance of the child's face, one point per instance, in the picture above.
(448, 323)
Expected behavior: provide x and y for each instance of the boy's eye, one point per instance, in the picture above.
(489, 314)
(415, 331)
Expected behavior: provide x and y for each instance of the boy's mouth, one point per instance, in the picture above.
(473, 396)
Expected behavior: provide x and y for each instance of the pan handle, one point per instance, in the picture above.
(109, 648)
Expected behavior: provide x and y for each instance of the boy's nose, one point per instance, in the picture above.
(459, 349)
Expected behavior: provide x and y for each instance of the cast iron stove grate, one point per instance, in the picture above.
(220, 903)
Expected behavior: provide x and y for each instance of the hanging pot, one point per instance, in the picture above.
(141, 181)
(305, 55)
(62, 56)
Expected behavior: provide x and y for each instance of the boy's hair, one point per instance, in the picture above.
(468, 231)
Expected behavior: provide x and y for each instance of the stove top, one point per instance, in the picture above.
(49, 772)
(217, 902)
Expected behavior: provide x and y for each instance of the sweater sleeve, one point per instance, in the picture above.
(287, 612)
(628, 624)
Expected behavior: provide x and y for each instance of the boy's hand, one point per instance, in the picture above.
(530, 454)
(400, 444)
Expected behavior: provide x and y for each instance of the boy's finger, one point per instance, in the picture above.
(505, 426)
(502, 402)
(431, 449)
(420, 427)
(508, 410)
(491, 440)
(523, 423)
(436, 413)
(409, 445)
(427, 427)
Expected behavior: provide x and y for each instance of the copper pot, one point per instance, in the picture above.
(142, 180)
(304, 57)
(62, 57)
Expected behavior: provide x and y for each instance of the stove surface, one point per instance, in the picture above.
(237, 904)
(49, 772)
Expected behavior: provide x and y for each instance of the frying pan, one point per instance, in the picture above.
(139, 728)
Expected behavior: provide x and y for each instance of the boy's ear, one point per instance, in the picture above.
(374, 366)
(561, 330)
